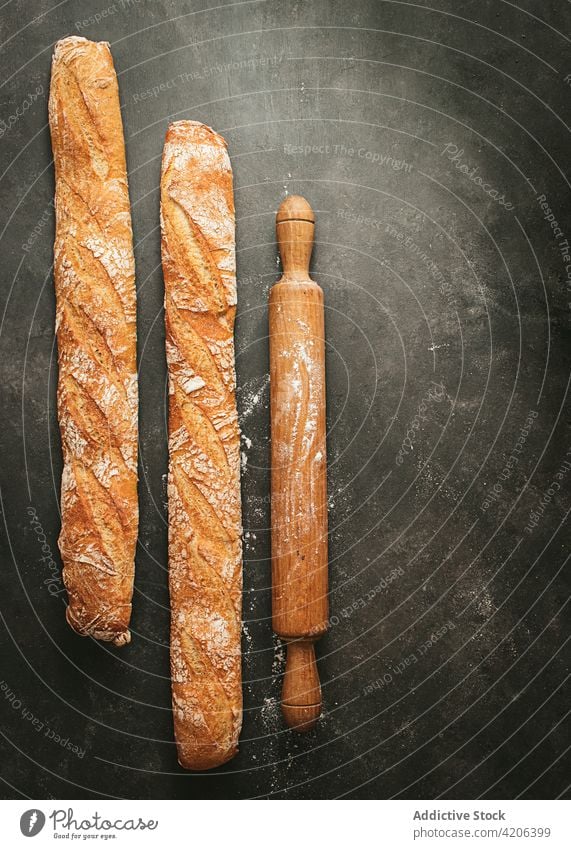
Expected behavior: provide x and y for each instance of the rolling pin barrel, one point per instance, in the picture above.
(299, 477)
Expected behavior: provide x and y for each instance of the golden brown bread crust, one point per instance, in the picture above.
(205, 550)
(96, 334)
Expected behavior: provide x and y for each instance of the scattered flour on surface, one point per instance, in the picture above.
(278, 665)
(270, 713)
(253, 396)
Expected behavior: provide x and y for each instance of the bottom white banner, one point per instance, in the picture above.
(234, 823)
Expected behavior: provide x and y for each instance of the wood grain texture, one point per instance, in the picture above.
(96, 334)
(298, 458)
(205, 551)
(299, 483)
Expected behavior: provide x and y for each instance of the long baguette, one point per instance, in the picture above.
(205, 552)
(96, 335)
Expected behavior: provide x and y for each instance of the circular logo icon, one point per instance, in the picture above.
(32, 822)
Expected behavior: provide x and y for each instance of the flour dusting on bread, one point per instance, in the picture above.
(95, 323)
(205, 552)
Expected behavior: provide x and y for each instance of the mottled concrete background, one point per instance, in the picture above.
(432, 140)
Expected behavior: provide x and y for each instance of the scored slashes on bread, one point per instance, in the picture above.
(205, 554)
(96, 335)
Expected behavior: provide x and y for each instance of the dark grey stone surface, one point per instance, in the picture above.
(444, 669)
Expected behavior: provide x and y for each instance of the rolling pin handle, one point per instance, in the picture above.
(295, 225)
(301, 693)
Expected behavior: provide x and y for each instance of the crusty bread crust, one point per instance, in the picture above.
(205, 551)
(96, 335)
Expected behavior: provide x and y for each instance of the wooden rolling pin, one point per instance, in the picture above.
(299, 473)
